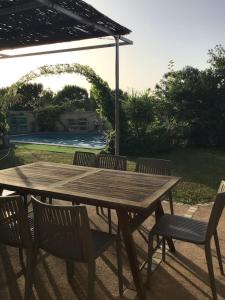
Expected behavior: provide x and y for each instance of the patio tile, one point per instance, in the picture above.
(183, 276)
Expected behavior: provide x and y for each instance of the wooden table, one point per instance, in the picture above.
(120, 190)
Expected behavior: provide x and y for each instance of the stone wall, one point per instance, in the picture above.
(78, 121)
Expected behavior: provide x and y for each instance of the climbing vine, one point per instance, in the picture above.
(100, 90)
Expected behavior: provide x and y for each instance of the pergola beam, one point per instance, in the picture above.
(75, 16)
(108, 45)
(126, 40)
(19, 8)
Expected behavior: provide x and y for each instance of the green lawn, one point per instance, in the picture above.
(201, 169)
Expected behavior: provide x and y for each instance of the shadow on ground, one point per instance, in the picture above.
(183, 276)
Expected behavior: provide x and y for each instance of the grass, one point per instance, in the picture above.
(201, 169)
(48, 148)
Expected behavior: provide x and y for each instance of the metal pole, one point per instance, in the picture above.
(117, 103)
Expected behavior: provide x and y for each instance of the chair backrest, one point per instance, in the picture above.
(154, 166)
(63, 231)
(86, 159)
(115, 162)
(14, 225)
(217, 210)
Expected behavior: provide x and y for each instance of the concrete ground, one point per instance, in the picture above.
(183, 275)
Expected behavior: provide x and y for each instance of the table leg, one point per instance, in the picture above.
(158, 214)
(123, 220)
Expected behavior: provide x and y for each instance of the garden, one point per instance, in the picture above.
(182, 119)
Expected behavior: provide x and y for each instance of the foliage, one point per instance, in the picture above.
(217, 62)
(136, 116)
(3, 124)
(191, 97)
(156, 140)
(73, 97)
(30, 97)
(139, 110)
(101, 92)
(8, 97)
(5, 95)
(47, 117)
(187, 107)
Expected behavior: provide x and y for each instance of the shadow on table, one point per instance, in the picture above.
(9, 159)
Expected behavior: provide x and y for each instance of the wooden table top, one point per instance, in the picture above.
(103, 187)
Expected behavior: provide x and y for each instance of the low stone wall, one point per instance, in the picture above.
(79, 121)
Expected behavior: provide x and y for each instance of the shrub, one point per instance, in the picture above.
(3, 124)
(47, 117)
(158, 140)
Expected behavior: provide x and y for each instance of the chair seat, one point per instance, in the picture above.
(64, 249)
(181, 228)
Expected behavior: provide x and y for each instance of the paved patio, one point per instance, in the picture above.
(183, 276)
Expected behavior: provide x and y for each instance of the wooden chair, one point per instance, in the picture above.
(16, 231)
(6, 193)
(108, 161)
(158, 167)
(115, 162)
(64, 232)
(87, 159)
(192, 231)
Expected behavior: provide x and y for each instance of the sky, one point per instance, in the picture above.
(162, 30)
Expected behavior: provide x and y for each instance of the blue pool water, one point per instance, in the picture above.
(82, 140)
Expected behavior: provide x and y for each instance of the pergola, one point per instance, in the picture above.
(43, 22)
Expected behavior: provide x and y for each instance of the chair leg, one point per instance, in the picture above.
(150, 255)
(97, 210)
(119, 264)
(208, 255)
(21, 258)
(142, 235)
(30, 269)
(110, 220)
(25, 202)
(218, 252)
(91, 280)
(69, 269)
(171, 203)
(164, 249)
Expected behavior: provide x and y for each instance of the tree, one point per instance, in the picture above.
(73, 97)
(192, 98)
(3, 124)
(8, 98)
(217, 61)
(47, 117)
(217, 67)
(30, 95)
(138, 108)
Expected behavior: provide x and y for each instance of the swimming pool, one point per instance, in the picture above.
(82, 140)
